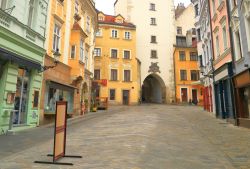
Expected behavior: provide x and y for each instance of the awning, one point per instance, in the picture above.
(10, 56)
(61, 86)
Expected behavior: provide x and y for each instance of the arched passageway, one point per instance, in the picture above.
(153, 89)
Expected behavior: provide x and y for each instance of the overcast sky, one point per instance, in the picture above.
(107, 6)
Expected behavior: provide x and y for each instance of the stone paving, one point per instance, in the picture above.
(146, 137)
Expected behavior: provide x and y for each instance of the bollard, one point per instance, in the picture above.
(10, 131)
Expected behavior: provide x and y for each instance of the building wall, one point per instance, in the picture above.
(26, 45)
(164, 30)
(188, 66)
(219, 16)
(187, 15)
(105, 63)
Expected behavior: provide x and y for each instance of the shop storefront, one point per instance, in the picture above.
(58, 85)
(242, 96)
(20, 84)
(223, 93)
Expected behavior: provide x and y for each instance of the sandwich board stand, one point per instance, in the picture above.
(59, 136)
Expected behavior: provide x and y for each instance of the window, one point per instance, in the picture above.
(99, 32)
(100, 18)
(153, 39)
(181, 41)
(224, 30)
(31, 12)
(126, 54)
(114, 53)
(127, 35)
(237, 42)
(56, 39)
(152, 7)
(182, 56)
(3, 4)
(73, 52)
(97, 74)
(119, 21)
(193, 56)
(196, 8)
(81, 50)
(194, 75)
(217, 46)
(193, 31)
(76, 7)
(88, 24)
(153, 54)
(247, 28)
(86, 58)
(54, 94)
(199, 34)
(126, 75)
(114, 34)
(112, 94)
(183, 74)
(97, 52)
(213, 4)
(153, 21)
(179, 30)
(113, 75)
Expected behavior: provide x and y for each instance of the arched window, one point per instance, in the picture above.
(31, 12)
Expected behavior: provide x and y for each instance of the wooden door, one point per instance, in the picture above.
(194, 96)
(184, 95)
(125, 97)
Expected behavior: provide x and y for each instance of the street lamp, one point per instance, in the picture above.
(56, 55)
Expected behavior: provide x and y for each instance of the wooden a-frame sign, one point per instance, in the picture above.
(59, 135)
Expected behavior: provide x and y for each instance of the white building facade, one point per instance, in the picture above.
(204, 45)
(155, 38)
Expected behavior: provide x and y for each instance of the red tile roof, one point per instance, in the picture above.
(110, 19)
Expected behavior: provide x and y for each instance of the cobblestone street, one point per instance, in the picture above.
(144, 137)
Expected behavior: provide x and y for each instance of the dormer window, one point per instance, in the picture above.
(119, 21)
(100, 18)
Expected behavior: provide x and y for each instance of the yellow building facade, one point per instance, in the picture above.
(116, 66)
(188, 87)
(71, 29)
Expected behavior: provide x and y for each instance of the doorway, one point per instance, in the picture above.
(153, 89)
(184, 97)
(194, 96)
(125, 97)
(21, 99)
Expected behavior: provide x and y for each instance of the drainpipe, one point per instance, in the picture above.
(212, 46)
(233, 61)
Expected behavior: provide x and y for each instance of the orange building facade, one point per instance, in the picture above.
(187, 85)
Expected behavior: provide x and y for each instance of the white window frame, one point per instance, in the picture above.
(130, 75)
(117, 74)
(98, 54)
(99, 33)
(56, 37)
(72, 51)
(111, 53)
(31, 12)
(88, 24)
(127, 35)
(129, 54)
(113, 33)
(86, 58)
(81, 56)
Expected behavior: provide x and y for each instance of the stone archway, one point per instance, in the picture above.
(153, 89)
